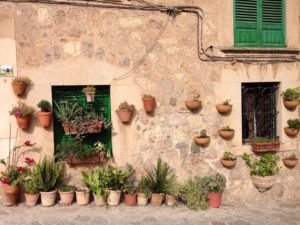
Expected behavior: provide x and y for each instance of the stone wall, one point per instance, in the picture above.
(68, 45)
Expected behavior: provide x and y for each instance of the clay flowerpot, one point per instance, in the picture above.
(99, 201)
(171, 200)
(263, 183)
(114, 197)
(44, 118)
(149, 104)
(202, 141)
(19, 88)
(228, 163)
(48, 198)
(223, 109)
(214, 200)
(125, 115)
(90, 96)
(66, 198)
(31, 200)
(291, 105)
(291, 131)
(290, 162)
(130, 199)
(193, 104)
(83, 197)
(157, 199)
(142, 199)
(271, 146)
(10, 194)
(226, 134)
(23, 122)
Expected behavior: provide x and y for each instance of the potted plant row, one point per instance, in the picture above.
(20, 84)
(291, 98)
(293, 127)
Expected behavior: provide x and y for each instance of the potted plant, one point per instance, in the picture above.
(290, 161)
(226, 132)
(202, 139)
(194, 193)
(144, 192)
(159, 180)
(89, 92)
(215, 185)
(45, 115)
(148, 102)
(228, 160)
(293, 127)
(172, 195)
(125, 112)
(47, 174)
(262, 144)
(23, 113)
(291, 98)
(20, 84)
(130, 191)
(66, 193)
(195, 103)
(224, 107)
(82, 196)
(97, 182)
(32, 193)
(263, 171)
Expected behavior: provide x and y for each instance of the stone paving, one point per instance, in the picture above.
(86, 215)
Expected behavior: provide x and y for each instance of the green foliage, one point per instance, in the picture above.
(143, 187)
(227, 128)
(215, 183)
(89, 89)
(22, 79)
(160, 178)
(125, 105)
(229, 156)
(294, 123)
(226, 102)
(66, 111)
(291, 94)
(21, 110)
(203, 133)
(266, 165)
(117, 177)
(30, 187)
(148, 96)
(44, 105)
(47, 174)
(67, 188)
(193, 192)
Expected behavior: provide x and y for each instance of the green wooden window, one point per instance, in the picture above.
(259, 23)
(101, 107)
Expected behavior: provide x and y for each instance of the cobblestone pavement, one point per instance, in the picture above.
(85, 215)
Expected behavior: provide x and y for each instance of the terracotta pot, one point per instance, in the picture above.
(142, 199)
(90, 96)
(10, 194)
(44, 118)
(149, 104)
(114, 197)
(157, 199)
(19, 88)
(171, 200)
(83, 197)
(66, 198)
(124, 115)
(23, 122)
(214, 200)
(271, 146)
(86, 160)
(226, 134)
(263, 183)
(291, 104)
(202, 141)
(99, 201)
(223, 109)
(48, 198)
(228, 163)
(193, 104)
(31, 200)
(130, 199)
(291, 131)
(290, 162)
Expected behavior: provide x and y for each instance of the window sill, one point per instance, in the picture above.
(260, 51)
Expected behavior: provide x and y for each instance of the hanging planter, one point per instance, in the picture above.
(149, 103)
(228, 160)
(265, 145)
(45, 115)
(89, 92)
(225, 107)
(125, 112)
(202, 139)
(290, 161)
(263, 183)
(293, 127)
(194, 104)
(23, 113)
(291, 98)
(71, 160)
(20, 84)
(226, 132)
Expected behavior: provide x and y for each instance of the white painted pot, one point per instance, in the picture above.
(83, 197)
(114, 198)
(142, 199)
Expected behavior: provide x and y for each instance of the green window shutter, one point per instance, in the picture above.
(246, 31)
(273, 23)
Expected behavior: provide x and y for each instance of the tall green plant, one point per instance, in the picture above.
(215, 183)
(117, 177)
(47, 174)
(65, 112)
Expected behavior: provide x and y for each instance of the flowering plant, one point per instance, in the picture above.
(21, 110)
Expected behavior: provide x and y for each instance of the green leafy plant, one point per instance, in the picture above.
(291, 94)
(66, 188)
(215, 183)
(30, 187)
(229, 156)
(89, 89)
(266, 165)
(203, 133)
(125, 105)
(66, 111)
(143, 187)
(47, 174)
(100, 147)
(294, 123)
(193, 192)
(263, 139)
(44, 105)
(21, 110)
(22, 79)
(226, 102)
(227, 128)
(148, 96)
(117, 177)
(160, 178)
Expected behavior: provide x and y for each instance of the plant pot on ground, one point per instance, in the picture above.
(89, 92)
(215, 185)
(125, 112)
(20, 84)
(32, 193)
(293, 127)
(66, 193)
(172, 195)
(149, 103)
(291, 98)
(228, 160)
(202, 139)
(263, 171)
(225, 107)
(262, 144)
(144, 192)
(129, 190)
(194, 104)
(226, 132)
(82, 197)
(23, 114)
(290, 161)
(45, 115)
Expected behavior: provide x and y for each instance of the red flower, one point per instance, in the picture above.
(5, 180)
(21, 169)
(27, 143)
(29, 160)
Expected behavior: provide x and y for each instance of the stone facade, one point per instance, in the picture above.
(68, 45)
